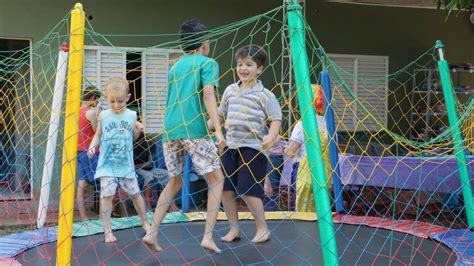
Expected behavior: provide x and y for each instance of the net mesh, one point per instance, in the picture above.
(395, 149)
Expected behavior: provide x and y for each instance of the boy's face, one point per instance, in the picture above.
(117, 99)
(93, 101)
(247, 69)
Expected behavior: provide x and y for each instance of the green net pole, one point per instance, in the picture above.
(313, 144)
(459, 148)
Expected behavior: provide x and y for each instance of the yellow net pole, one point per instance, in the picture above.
(68, 172)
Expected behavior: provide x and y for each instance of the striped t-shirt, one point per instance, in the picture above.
(248, 114)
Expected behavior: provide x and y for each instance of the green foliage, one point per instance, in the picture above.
(451, 5)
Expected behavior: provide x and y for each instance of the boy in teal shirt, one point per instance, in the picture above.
(116, 129)
(191, 84)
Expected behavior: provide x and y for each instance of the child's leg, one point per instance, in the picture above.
(85, 174)
(206, 161)
(215, 181)
(174, 157)
(145, 183)
(230, 207)
(81, 189)
(256, 207)
(130, 186)
(251, 178)
(139, 205)
(108, 187)
(166, 196)
(106, 211)
(147, 193)
(274, 169)
(230, 164)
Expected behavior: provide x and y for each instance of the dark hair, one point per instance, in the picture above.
(256, 52)
(192, 35)
(91, 92)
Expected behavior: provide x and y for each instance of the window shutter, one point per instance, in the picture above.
(372, 90)
(367, 79)
(90, 68)
(102, 63)
(113, 63)
(155, 67)
(343, 104)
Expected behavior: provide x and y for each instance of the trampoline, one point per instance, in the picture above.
(292, 243)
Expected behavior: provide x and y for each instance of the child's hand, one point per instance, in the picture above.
(210, 125)
(267, 188)
(91, 152)
(288, 152)
(267, 142)
(99, 110)
(138, 127)
(220, 141)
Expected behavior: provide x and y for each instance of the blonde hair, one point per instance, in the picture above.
(116, 84)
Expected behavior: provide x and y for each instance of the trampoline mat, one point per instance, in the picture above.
(292, 242)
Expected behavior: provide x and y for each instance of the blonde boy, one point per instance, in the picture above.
(117, 128)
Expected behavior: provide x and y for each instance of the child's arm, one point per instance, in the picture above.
(95, 140)
(211, 107)
(296, 140)
(92, 115)
(293, 148)
(221, 112)
(210, 125)
(272, 136)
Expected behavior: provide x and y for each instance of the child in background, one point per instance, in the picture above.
(117, 128)
(86, 166)
(296, 149)
(252, 117)
(192, 81)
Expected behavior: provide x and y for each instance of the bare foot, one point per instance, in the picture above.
(110, 238)
(173, 208)
(209, 245)
(261, 237)
(233, 235)
(151, 244)
(146, 227)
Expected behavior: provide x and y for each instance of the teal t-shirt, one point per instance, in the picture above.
(185, 115)
(116, 144)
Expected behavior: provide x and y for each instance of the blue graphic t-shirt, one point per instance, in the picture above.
(116, 144)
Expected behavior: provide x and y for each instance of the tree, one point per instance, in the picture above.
(452, 5)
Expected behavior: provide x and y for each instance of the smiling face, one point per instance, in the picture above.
(247, 70)
(117, 99)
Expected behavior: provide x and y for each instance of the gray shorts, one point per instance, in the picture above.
(155, 174)
(203, 154)
(108, 186)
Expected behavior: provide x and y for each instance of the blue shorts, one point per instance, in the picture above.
(86, 167)
(245, 170)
